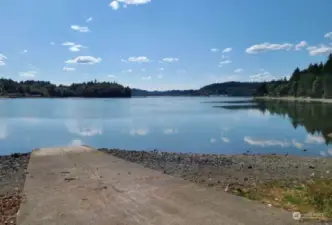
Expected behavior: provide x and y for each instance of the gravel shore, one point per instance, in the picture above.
(231, 171)
(12, 177)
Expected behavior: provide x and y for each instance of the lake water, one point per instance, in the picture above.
(197, 124)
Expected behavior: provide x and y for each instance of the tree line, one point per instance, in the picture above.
(315, 81)
(32, 88)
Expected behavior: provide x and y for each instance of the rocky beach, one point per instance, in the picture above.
(12, 176)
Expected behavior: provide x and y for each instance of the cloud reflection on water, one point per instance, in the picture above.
(263, 143)
(86, 130)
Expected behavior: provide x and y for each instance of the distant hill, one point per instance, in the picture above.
(231, 88)
(139, 92)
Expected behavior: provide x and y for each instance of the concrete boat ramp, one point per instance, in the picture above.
(81, 186)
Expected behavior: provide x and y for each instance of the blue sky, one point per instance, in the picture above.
(161, 44)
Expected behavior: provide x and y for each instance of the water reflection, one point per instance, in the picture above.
(263, 143)
(139, 132)
(84, 128)
(3, 131)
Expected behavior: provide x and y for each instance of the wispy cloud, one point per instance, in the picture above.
(264, 143)
(25, 51)
(73, 47)
(160, 76)
(88, 20)
(146, 78)
(28, 74)
(214, 50)
(68, 69)
(266, 46)
(213, 140)
(111, 76)
(139, 59)
(238, 70)
(115, 5)
(80, 28)
(227, 61)
(84, 60)
(227, 50)
(301, 45)
(319, 50)
(52, 43)
(170, 60)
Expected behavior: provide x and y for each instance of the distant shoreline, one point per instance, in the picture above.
(301, 99)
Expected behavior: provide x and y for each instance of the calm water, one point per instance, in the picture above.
(167, 123)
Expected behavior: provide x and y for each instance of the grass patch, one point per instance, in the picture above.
(310, 197)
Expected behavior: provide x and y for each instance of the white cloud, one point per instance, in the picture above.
(28, 74)
(84, 60)
(111, 76)
(328, 35)
(225, 139)
(80, 28)
(76, 48)
(319, 50)
(262, 76)
(68, 69)
(160, 76)
(139, 132)
(68, 43)
(314, 139)
(2, 59)
(139, 59)
(297, 144)
(170, 59)
(127, 71)
(214, 50)
(88, 131)
(52, 43)
(301, 45)
(171, 131)
(76, 142)
(264, 47)
(114, 5)
(238, 70)
(24, 51)
(227, 61)
(227, 50)
(89, 19)
(146, 78)
(264, 143)
(161, 69)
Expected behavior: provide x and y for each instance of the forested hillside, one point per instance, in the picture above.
(314, 81)
(31, 88)
(231, 88)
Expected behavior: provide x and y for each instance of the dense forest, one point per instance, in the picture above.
(314, 81)
(92, 89)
